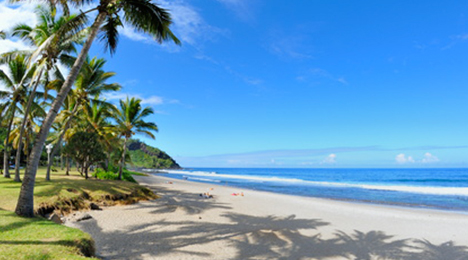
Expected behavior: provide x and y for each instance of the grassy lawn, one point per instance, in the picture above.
(38, 238)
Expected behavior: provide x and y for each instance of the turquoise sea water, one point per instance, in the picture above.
(428, 188)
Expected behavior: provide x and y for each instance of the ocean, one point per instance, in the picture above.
(445, 189)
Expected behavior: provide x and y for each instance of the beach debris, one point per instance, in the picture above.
(169, 182)
(56, 218)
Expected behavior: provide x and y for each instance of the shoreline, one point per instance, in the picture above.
(350, 202)
(357, 201)
(181, 224)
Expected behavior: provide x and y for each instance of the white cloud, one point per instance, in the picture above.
(289, 47)
(330, 159)
(402, 159)
(11, 15)
(319, 73)
(151, 100)
(429, 158)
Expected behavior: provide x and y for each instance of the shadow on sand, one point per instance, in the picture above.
(243, 236)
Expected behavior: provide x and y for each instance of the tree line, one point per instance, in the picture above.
(40, 96)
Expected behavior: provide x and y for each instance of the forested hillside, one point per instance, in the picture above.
(145, 156)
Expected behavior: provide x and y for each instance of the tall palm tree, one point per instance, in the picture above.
(130, 120)
(54, 40)
(2, 35)
(90, 83)
(16, 83)
(97, 115)
(143, 16)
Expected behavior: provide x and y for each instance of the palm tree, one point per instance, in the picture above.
(90, 83)
(142, 15)
(130, 120)
(2, 35)
(19, 76)
(54, 40)
(97, 115)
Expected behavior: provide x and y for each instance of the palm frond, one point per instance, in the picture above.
(110, 33)
(147, 17)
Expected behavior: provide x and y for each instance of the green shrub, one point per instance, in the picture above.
(109, 175)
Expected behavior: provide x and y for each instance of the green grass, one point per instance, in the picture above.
(38, 238)
(64, 188)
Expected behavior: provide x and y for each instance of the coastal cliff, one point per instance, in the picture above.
(145, 156)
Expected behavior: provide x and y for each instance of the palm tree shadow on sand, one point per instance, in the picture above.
(261, 237)
(175, 200)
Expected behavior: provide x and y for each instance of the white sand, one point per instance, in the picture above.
(262, 225)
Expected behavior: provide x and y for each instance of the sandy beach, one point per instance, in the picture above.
(261, 225)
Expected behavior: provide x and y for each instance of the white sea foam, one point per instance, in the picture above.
(203, 179)
(432, 190)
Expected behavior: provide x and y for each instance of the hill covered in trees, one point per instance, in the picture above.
(145, 156)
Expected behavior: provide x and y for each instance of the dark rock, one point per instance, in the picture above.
(94, 206)
(82, 216)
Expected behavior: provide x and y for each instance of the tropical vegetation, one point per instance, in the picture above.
(45, 104)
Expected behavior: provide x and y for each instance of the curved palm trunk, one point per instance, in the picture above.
(25, 205)
(122, 160)
(6, 152)
(55, 149)
(23, 125)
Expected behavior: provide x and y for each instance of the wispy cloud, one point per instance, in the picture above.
(318, 73)
(274, 157)
(247, 79)
(150, 100)
(456, 39)
(307, 157)
(11, 15)
(289, 47)
(243, 9)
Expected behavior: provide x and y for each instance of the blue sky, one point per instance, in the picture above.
(260, 83)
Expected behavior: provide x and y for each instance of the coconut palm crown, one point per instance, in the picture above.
(130, 121)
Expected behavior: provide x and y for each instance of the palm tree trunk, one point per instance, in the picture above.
(25, 204)
(67, 162)
(6, 152)
(55, 149)
(23, 125)
(122, 160)
(86, 166)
